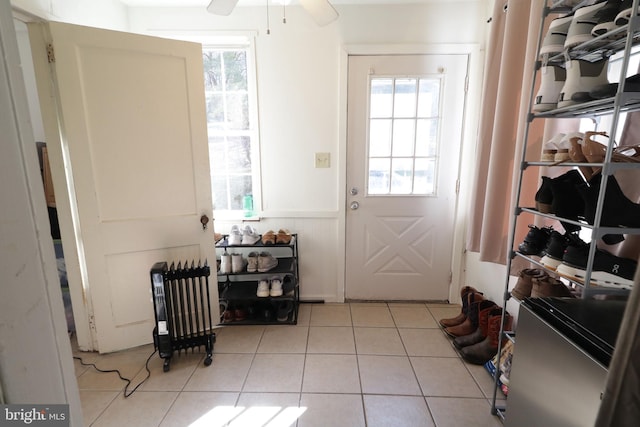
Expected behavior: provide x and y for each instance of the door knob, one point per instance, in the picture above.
(354, 206)
(204, 220)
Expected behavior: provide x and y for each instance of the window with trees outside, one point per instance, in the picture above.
(229, 79)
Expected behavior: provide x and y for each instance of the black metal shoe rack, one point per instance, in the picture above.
(238, 289)
(596, 49)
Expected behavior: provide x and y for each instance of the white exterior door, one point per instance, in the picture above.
(405, 117)
(126, 129)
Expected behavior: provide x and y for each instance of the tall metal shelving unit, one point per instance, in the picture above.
(621, 39)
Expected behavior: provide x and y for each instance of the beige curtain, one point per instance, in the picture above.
(509, 71)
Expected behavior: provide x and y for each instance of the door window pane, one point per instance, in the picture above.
(403, 146)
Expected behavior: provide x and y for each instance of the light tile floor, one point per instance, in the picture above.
(343, 365)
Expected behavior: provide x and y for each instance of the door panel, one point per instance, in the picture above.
(127, 120)
(402, 165)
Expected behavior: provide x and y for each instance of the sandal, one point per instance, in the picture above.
(283, 237)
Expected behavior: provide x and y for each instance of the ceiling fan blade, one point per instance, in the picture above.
(320, 10)
(221, 7)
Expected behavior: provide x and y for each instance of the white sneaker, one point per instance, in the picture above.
(252, 262)
(266, 262)
(582, 77)
(553, 41)
(584, 19)
(276, 287)
(225, 264)
(552, 79)
(235, 237)
(249, 235)
(238, 263)
(263, 289)
(550, 148)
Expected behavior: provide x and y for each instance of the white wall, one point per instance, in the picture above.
(301, 101)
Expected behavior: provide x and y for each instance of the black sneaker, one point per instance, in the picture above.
(554, 251)
(535, 241)
(608, 270)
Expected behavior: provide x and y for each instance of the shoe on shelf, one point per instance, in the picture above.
(567, 203)
(523, 286)
(252, 262)
(554, 250)
(617, 209)
(606, 17)
(550, 148)
(225, 264)
(584, 19)
(276, 287)
(582, 77)
(549, 287)
(288, 287)
(238, 263)
(284, 311)
(283, 237)
(553, 79)
(625, 13)
(235, 236)
(249, 235)
(269, 238)
(263, 289)
(240, 314)
(563, 147)
(607, 270)
(266, 262)
(464, 292)
(553, 42)
(535, 241)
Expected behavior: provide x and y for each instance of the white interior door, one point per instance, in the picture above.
(405, 116)
(125, 122)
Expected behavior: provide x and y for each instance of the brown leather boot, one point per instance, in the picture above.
(481, 331)
(482, 352)
(523, 286)
(445, 323)
(548, 287)
(470, 324)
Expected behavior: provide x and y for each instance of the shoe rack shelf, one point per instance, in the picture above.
(238, 290)
(619, 40)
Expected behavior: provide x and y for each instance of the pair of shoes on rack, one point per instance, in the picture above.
(569, 84)
(557, 149)
(607, 270)
(270, 288)
(261, 262)
(232, 263)
(537, 283)
(559, 196)
(247, 236)
(282, 237)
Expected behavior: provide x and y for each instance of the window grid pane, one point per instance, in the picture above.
(403, 135)
(229, 125)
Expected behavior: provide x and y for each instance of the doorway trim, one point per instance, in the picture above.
(467, 148)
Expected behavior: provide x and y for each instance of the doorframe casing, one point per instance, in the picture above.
(468, 141)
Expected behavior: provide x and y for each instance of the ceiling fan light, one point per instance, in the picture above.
(320, 10)
(221, 7)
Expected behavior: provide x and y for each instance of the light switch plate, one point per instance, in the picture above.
(323, 160)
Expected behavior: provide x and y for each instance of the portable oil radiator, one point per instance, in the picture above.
(182, 306)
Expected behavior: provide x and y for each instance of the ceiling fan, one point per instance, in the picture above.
(321, 11)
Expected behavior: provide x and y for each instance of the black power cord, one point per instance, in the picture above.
(128, 381)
